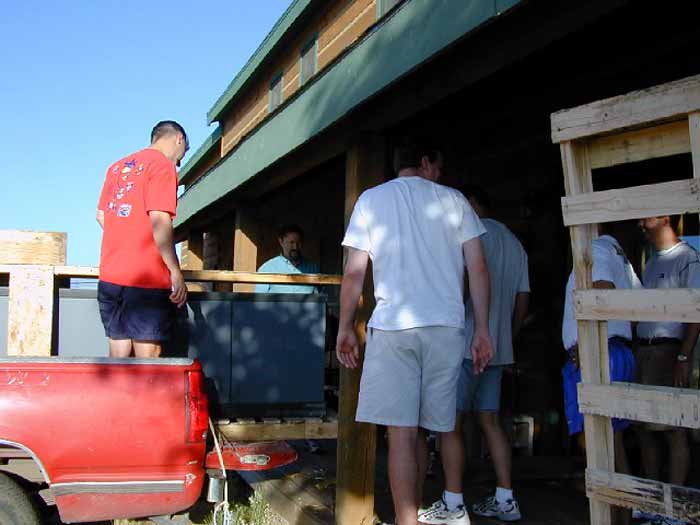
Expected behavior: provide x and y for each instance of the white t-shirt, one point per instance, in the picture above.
(413, 230)
(677, 267)
(609, 264)
(507, 263)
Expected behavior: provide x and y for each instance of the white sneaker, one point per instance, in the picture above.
(508, 510)
(437, 514)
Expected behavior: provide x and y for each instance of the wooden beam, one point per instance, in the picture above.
(656, 105)
(222, 276)
(634, 146)
(304, 429)
(28, 247)
(647, 495)
(245, 249)
(357, 441)
(638, 202)
(678, 407)
(270, 278)
(30, 311)
(678, 304)
(592, 336)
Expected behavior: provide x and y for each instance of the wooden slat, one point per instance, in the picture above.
(647, 495)
(30, 311)
(679, 304)
(678, 407)
(651, 200)
(592, 339)
(668, 102)
(29, 247)
(254, 431)
(634, 146)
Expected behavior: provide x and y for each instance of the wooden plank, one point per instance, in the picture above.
(679, 304)
(664, 103)
(30, 311)
(356, 454)
(192, 256)
(678, 407)
(634, 146)
(29, 247)
(600, 450)
(245, 249)
(638, 202)
(263, 431)
(223, 276)
(647, 495)
(694, 129)
(299, 492)
(77, 271)
(272, 278)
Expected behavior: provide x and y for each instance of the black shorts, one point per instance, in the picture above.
(130, 312)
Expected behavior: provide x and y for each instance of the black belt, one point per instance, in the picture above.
(659, 341)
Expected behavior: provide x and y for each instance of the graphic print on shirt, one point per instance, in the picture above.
(122, 186)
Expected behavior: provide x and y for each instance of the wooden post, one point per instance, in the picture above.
(357, 441)
(192, 256)
(32, 287)
(224, 249)
(245, 249)
(592, 335)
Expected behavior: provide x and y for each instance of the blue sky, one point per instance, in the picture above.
(82, 83)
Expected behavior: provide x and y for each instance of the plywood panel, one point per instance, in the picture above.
(29, 247)
(30, 311)
(678, 304)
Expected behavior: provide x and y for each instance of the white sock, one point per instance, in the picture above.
(503, 495)
(452, 499)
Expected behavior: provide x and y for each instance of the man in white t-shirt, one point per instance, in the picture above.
(419, 236)
(665, 348)
(481, 393)
(611, 270)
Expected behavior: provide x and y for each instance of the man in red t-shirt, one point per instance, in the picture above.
(140, 278)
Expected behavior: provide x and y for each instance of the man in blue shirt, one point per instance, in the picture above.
(291, 261)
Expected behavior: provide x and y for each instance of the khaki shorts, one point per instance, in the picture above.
(409, 377)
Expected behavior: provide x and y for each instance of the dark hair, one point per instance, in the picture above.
(675, 221)
(165, 128)
(477, 193)
(289, 228)
(410, 151)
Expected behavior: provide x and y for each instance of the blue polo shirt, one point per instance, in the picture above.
(281, 264)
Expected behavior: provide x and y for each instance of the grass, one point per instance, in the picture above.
(256, 511)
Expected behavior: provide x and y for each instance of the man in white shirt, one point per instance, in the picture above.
(419, 235)
(611, 270)
(510, 293)
(665, 348)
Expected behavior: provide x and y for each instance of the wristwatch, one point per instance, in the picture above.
(682, 358)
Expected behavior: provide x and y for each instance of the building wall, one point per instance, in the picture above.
(335, 28)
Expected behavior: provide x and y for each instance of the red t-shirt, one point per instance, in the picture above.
(142, 182)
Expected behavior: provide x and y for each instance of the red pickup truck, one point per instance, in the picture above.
(110, 438)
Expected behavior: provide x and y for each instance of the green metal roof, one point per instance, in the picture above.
(280, 29)
(199, 155)
(418, 30)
